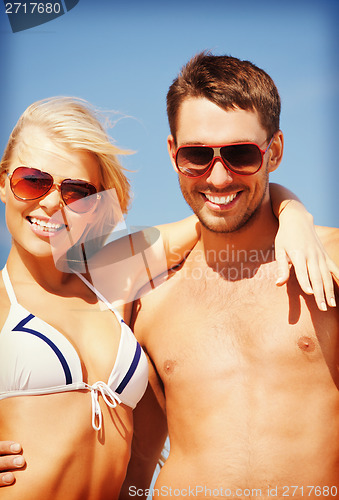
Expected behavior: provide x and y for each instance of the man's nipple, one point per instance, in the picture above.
(306, 344)
(169, 366)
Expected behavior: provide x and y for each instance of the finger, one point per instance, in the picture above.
(11, 462)
(334, 269)
(283, 267)
(7, 479)
(317, 273)
(328, 281)
(302, 275)
(9, 447)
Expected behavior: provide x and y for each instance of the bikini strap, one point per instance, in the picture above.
(9, 286)
(99, 295)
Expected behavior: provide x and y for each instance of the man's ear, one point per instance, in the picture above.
(276, 151)
(171, 146)
(2, 187)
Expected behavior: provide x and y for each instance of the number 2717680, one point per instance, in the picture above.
(307, 491)
(33, 7)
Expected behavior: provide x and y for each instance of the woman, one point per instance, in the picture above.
(62, 186)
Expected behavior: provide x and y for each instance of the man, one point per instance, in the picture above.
(244, 374)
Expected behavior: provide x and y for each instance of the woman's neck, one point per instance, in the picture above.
(25, 267)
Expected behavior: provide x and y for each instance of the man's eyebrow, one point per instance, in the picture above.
(193, 143)
(201, 143)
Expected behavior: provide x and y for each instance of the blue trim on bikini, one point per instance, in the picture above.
(131, 370)
(20, 327)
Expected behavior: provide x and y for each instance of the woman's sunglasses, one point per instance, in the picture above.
(242, 158)
(30, 184)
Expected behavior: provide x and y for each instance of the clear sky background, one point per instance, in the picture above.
(123, 55)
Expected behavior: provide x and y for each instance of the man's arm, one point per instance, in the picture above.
(150, 432)
(150, 423)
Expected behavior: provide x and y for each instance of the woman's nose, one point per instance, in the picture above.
(52, 201)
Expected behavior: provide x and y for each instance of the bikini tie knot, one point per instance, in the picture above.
(110, 398)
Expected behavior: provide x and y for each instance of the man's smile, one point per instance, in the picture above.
(220, 201)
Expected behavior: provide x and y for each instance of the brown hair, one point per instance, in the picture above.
(228, 82)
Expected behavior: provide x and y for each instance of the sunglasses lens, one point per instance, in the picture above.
(242, 158)
(194, 160)
(79, 196)
(29, 183)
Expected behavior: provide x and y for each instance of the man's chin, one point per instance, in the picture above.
(223, 225)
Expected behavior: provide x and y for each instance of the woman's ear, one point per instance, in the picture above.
(276, 151)
(172, 149)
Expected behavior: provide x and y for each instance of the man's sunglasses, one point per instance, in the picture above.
(242, 158)
(30, 184)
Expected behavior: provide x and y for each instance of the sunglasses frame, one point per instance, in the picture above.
(57, 185)
(217, 156)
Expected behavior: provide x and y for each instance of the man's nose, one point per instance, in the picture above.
(219, 175)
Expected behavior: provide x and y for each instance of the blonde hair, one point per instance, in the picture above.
(74, 123)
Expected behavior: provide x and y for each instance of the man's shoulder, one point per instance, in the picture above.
(326, 231)
(161, 287)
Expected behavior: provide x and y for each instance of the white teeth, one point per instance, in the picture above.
(221, 200)
(45, 225)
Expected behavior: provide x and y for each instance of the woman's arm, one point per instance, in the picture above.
(179, 238)
(297, 244)
(123, 267)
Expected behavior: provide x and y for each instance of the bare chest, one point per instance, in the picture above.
(213, 328)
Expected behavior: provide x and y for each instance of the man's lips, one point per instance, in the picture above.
(221, 200)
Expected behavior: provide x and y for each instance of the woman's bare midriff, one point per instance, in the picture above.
(66, 457)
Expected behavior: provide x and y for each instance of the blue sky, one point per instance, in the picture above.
(123, 55)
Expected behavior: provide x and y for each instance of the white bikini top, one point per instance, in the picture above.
(35, 358)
